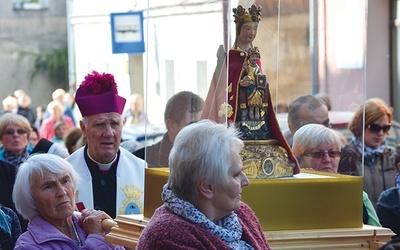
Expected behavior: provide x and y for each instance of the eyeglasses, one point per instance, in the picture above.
(377, 128)
(19, 131)
(318, 154)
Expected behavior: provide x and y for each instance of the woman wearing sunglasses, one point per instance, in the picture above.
(318, 147)
(14, 135)
(369, 140)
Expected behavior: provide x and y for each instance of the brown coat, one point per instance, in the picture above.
(379, 177)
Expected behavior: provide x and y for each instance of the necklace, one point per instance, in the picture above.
(78, 241)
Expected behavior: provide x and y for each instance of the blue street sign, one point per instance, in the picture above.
(127, 32)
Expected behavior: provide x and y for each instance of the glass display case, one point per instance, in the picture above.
(302, 48)
(191, 51)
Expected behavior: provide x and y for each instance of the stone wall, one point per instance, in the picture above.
(24, 33)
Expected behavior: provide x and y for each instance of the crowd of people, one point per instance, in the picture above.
(43, 185)
(58, 120)
(55, 162)
(91, 164)
(69, 155)
(318, 146)
(51, 121)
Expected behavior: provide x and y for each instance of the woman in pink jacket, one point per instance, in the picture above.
(56, 111)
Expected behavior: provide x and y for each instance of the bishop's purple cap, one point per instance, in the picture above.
(98, 94)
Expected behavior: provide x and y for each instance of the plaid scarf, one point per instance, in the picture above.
(370, 154)
(15, 159)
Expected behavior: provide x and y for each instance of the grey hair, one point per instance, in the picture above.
(58, 149)
(310, 101)
(180, 103)
(85, 121)
(35, 166)
(312, 135)
(202, 151)
(135, 97)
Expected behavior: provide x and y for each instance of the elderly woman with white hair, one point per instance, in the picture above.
(202, 203)
(44, 193)
(318, 147)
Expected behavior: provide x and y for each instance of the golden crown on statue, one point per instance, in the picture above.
(242, 16)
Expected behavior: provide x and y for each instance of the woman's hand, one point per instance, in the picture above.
(91, 221)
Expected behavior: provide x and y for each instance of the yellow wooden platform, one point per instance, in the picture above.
(129, 227)
(367, 237)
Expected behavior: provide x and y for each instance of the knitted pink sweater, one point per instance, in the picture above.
(167, 230)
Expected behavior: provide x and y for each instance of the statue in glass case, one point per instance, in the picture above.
(240, 92)
(248, 88)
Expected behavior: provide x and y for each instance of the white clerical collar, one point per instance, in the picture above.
(103, 166)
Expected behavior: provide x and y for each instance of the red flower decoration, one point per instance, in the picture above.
(96, 83)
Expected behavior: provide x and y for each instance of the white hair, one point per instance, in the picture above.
(202, 151)
(311, 136)
(31, 168)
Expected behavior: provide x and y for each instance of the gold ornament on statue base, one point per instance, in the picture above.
(266, 159)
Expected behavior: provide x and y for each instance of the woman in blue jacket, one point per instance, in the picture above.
(388, 205)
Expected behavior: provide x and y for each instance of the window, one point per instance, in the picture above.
(30, 4)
